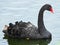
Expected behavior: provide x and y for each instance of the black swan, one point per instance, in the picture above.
(27, 29)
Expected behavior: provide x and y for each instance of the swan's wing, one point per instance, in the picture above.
(28, 30)
(23, 29)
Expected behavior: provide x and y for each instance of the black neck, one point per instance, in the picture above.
(40, 20)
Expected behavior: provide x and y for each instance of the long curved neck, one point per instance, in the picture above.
(40, 20)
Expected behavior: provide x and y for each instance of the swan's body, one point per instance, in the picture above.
(28, 30)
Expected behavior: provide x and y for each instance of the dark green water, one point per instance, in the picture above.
(15, 41)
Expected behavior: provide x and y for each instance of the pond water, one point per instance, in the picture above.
(27, 10)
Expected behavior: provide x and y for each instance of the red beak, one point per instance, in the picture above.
(51, 10)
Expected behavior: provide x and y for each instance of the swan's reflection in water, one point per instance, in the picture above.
(15, 41)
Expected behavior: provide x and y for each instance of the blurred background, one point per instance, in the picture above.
(27, 10)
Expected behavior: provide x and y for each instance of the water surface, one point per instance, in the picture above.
(27, 10)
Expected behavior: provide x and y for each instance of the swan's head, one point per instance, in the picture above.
(48, 7)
